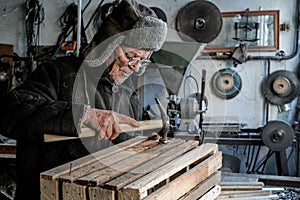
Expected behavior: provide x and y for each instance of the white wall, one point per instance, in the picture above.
(246, 107)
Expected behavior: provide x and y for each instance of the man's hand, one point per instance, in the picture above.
(106, 122)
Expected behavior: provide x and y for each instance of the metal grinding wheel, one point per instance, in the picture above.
(281, 87)
(200, 20)
(226, 83)
(277, 135)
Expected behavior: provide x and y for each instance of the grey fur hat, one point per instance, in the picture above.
(129, 23)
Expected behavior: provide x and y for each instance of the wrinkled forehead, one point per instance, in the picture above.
(138, 52)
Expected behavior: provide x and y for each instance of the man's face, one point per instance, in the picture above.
(128, 60)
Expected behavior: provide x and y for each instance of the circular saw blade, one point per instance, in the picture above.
(277, 135)
(281, 87)
(199, 20)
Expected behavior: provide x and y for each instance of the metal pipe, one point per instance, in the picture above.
(78, 27)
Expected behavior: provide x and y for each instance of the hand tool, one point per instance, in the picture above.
(165, 123)
(87, 132)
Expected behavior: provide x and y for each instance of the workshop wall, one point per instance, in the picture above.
(252, 73)
(247, 108)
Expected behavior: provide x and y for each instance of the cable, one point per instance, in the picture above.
(190, 76)
(34, 17)
(68, 22)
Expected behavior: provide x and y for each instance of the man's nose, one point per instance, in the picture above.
(134, 65)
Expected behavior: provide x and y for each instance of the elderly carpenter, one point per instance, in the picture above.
(94, 90)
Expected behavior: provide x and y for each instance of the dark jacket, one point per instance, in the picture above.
(50, 102)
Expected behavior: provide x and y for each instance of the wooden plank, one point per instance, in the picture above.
(98, 193)
(203, 187)
(107, 161)
(242, 184)
(87, 132)
(8, 149)
(81, 162)
(188, 180)
(74, 192)
(235, 194)
(272, 180)
(241, 187)
(49, 189)
(147, 167)
(211, 194)
(148, 181)
(269, 197)
(126, 165)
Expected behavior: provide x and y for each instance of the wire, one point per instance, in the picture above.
(34, 17)
(192, 77)
(68, 22)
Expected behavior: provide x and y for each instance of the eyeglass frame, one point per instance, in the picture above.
(143, 62)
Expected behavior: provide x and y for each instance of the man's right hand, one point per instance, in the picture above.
(106, 122)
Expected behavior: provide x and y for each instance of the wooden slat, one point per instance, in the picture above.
(120, 168)
(49, 189)
(235, 194)
(98, 193)
(187, 181)
(139, 187)
(269, 197)
(81, 162)
(147, 167)
(74, 192)
(203, 187)
(107, 161)
(211, 194)
(270, 179)
(98, 165)
(241, 187)
(241, 183)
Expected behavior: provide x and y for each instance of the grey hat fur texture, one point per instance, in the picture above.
(130, 23)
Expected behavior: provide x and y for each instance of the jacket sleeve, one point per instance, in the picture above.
(34, 107)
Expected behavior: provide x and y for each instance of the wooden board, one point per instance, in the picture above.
(206, 185)
(273, 180)
(138, 169)
(139, 188)
(147, 167)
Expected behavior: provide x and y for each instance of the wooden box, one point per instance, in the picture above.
(138, 169)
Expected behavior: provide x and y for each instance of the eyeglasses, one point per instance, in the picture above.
(133, 58)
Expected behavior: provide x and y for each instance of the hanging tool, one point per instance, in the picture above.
(277, 135)
(281, 87)
(199, 20)
(226, 83)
